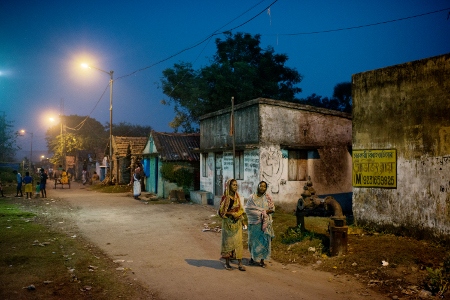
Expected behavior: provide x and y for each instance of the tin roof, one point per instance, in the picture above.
(177, 146)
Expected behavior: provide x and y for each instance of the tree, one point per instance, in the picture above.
(343, 92)
(8, 137)
(341, 100)
(127, 129)
(240, 69)
(78, 133)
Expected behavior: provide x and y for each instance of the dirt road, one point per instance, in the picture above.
(164, 249)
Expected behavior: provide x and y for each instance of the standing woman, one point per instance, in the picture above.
(259, 210)
(231, 212)
(136, 183)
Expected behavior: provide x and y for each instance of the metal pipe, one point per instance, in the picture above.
(337, 209)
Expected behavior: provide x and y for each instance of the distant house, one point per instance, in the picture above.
(125, 152)
(282, 143)
(171, 151)
(83, 159)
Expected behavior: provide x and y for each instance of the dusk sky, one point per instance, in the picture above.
(43, 43)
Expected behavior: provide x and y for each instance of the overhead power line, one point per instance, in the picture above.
(360, 26)
(207, 39)
(202, 41)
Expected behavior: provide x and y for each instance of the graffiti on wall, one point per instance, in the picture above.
(251, 173)
(272, 168)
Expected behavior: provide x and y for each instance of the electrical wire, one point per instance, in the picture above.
(201, 42)
(207, 39)
(216, 32)
(359, 26)
(81, 124)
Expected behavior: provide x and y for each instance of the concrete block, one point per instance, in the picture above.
(200, 197)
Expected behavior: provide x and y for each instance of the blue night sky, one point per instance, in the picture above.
(43, 44)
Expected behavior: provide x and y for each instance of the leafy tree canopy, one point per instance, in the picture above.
(85, 133)
(76, 133)
(240, 69)
(127, 129)
(8, 137)
(341, 100)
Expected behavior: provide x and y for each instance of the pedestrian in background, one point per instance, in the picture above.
(19, 184)
(1, 188)
(38, 189)
(28, 181)
(136, 183)
(43, 181)
(231, 212)
(95, 177)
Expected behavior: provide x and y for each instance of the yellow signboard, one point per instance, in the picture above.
(374, 168)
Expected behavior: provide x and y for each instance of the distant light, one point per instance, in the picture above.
(84, 65)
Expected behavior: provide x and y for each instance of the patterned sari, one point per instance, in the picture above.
(231, 225)
(260, 230)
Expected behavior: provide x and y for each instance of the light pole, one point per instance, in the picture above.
(31, 151)
(111, 81)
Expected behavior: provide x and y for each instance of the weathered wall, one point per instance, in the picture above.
(269, 127)
(407, 108)
(292, 124)
(215, 127)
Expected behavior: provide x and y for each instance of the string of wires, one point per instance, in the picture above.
(361, 26)
(207, 39)
(218, 32)
(204, 40)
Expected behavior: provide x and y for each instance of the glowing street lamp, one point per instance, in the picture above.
(111, 81)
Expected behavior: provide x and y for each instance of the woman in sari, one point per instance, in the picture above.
(136, 180)
(231, 212)
(259, 210)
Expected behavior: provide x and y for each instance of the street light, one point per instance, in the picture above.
(31, 149)
(111, 81)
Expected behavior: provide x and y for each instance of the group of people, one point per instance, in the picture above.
(28, 180)
(259, 209)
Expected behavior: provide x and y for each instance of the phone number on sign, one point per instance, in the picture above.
(375, 180)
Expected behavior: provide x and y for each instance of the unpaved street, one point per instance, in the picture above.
(164, 249)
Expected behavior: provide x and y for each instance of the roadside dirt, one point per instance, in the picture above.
(163, 249)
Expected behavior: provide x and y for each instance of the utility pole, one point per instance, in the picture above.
(233, 136)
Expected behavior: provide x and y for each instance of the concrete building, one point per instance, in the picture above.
(280, 142)
(401, 147)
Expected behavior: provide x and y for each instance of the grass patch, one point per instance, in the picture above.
(38, 263)
(291, 245)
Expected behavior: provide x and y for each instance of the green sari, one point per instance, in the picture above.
(232, 246)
